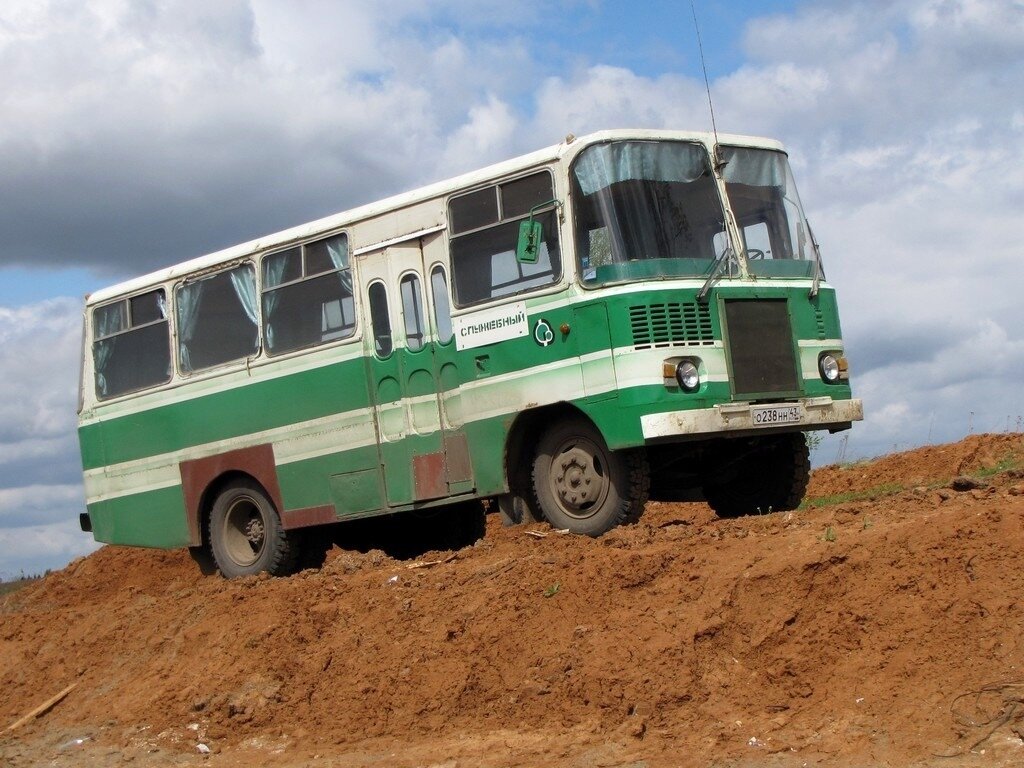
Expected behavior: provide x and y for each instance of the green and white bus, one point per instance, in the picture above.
(626, 316)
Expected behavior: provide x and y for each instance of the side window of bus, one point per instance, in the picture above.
(132, 347)
(412, 312)
(217, 319)
(484, 228)
(307, 295)
(380, 319)
(442, 309)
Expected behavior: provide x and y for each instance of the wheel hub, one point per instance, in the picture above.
(578, 484)
(254, 532)
(244, 531)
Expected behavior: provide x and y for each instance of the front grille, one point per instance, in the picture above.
(819, 323)
(760, 339)
(670, 324)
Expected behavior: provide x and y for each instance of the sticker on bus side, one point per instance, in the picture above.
(490, 326)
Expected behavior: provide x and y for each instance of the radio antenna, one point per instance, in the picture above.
(707, 83)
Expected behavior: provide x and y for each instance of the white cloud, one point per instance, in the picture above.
(607, 97)
(34, 505)
(483, 139)
(39, 351)
(131, 119)
(41, 493)
(33, 549)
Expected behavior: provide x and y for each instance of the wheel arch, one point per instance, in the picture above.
(212, 491)
(203, 479)
(522, 438)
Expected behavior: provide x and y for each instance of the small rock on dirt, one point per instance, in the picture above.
(965, 483)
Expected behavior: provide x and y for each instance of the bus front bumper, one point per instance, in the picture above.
(808, 413)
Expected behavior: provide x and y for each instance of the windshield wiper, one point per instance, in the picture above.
(725, 258)
(817, 263)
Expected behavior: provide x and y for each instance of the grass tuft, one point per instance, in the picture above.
(871, 494)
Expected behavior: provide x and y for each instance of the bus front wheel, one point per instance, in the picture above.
(583, 486)
(246, 536)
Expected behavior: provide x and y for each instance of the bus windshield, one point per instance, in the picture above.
(645, 210)
(762, 194)
(651, 209)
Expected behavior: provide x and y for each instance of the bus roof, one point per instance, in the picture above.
(338, 221)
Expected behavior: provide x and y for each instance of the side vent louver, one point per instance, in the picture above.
(670, 324)
(819, 321)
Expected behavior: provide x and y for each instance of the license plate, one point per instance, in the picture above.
(769, 415)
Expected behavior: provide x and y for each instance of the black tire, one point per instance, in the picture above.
(771, 477)
(583, 486)
(515, 509)
(246, 536)
(202, 557)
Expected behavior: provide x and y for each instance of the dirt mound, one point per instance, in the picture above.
(853, 632)
(927, 466)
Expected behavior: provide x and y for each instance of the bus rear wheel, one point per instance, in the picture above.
(246, 536)
(771, 476)
(583, 486)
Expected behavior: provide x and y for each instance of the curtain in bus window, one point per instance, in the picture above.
(244, 282)
(217, 319)
(102, 353)
(273, 272)
(306, 300)
(645, 209)
(337, 250)
(757, 168)
(136, 353)
(189, 298)
(605, 164)
(106, 321)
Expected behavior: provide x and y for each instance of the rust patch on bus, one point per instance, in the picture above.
(428, 471)
(308, 516)
(456, 449)
(196, 476)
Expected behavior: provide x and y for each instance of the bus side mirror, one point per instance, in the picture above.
(530, 235)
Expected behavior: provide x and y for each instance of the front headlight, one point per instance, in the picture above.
(688, 376)
(828, 366)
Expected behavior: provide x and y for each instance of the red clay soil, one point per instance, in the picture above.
(879, 625)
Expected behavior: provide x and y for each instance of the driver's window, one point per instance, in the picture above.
(380, 319)
(756, 239)
(759, 243)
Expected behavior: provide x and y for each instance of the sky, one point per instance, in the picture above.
(135, 134)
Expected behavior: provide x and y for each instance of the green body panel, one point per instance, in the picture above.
(487, 449)
(151, 519)
(253, 407)
(358, 493)
(308, 483)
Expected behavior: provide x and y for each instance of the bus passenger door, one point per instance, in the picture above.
(458, 464)
(403, 375)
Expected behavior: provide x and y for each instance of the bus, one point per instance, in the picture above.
(624, 316)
